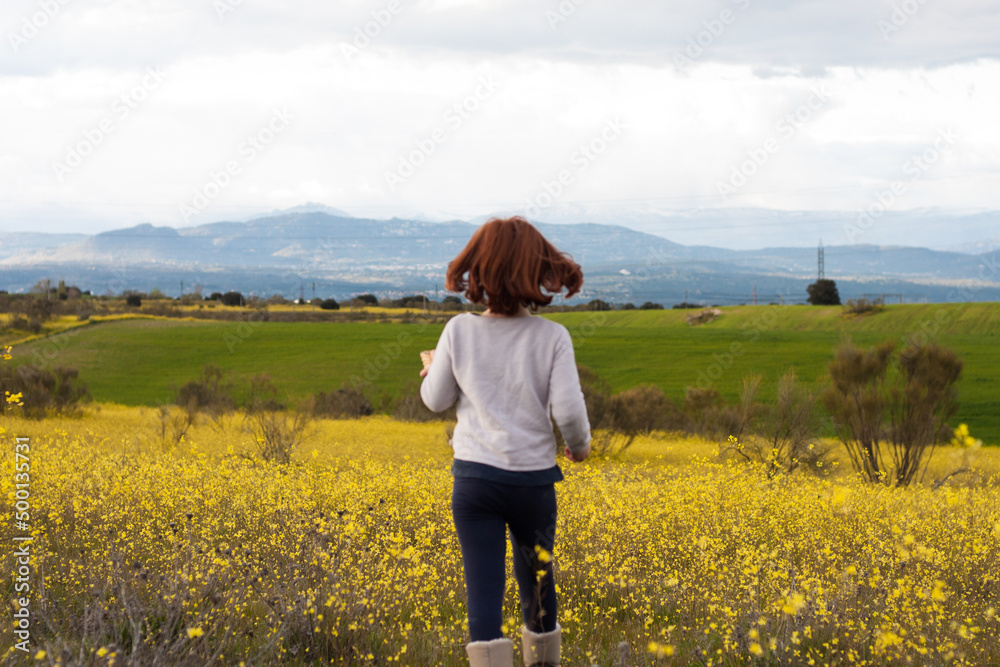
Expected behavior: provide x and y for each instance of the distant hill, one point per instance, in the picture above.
(284, 252)
(28, 243)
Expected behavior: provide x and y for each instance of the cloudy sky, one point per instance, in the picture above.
(179, 112)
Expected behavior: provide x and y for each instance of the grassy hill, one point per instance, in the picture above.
(142, 362)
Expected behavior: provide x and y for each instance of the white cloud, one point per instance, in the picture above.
(355, 119)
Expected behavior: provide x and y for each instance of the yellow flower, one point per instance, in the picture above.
(543, 555)
(660, 650)
(794, 603)
(101, 652)
(962, 438)
(756, 649)
(194, 632)
(40, 655)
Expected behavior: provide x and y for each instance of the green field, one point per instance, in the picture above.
(142, 362)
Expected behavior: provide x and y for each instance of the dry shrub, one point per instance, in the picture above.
(410, 407)
(780, 436)
(345, 403)
(890, 411)
(707, 415)
(176, 423)
(600, 411)
(642, 410)
(44, 392)
(863, 306)
(277, 433)
(211, 393)
(617, 419)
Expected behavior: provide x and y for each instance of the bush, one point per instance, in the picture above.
(329, 304)
(44, 392)
(890, 422)
(649, 305)
(642, 410)
(781, 435)
(410, 407)
(19, 322)
(684, 305)
(616, 420)
(174, 425)
(863, 306)
(414, 301)
(36, 308)
(707, 415)
(133, 300)
(367, 299)
(346, 403)
(276, 433)
(211, 393)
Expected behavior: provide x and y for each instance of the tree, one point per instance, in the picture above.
(232, 299)
(823, 292)
(367, 299)
(598, 304)
(329, 304)
(133, 300)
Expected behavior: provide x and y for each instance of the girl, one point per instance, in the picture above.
(512, 373)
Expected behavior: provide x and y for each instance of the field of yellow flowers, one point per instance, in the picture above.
(148, 551)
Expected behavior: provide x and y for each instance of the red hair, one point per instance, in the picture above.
(507, 263)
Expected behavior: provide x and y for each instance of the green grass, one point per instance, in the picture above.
(142, 362)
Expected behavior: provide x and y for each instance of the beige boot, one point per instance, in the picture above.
(541, 649)
(494, 653)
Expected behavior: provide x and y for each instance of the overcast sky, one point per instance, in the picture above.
(180, 112)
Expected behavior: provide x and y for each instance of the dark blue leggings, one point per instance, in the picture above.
(483, 512)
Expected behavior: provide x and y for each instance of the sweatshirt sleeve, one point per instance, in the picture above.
(439, 390)
(566, 396)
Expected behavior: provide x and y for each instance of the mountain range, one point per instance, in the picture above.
(285, 252)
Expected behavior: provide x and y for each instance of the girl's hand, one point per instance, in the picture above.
(427, 358)
(577, 458)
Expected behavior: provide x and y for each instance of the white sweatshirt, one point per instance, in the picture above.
(507, 373)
